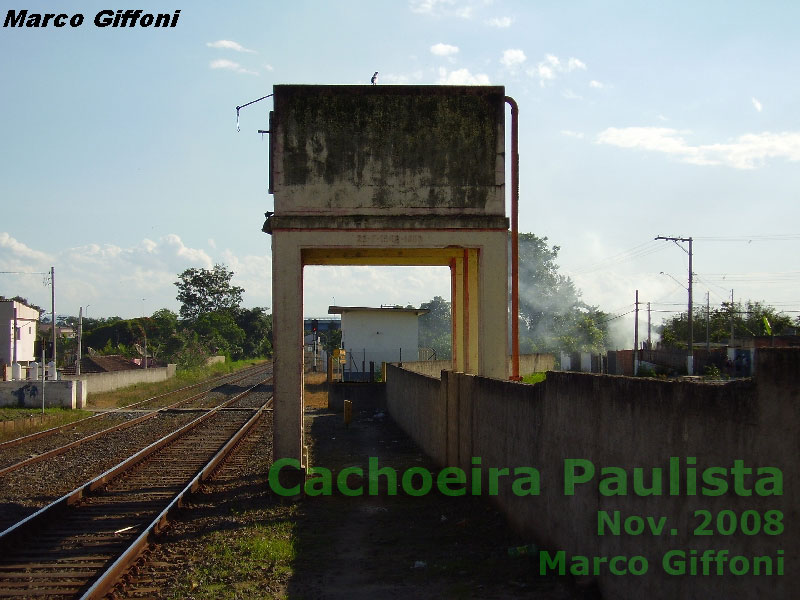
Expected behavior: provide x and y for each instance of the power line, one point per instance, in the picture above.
(751, 238)
(638, 251)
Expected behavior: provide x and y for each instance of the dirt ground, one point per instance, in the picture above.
(433, 546)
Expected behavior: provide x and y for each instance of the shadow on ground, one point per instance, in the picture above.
(401, 546)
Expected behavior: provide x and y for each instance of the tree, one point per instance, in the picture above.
(435, 327)
(203, 291)
(257, 327)
(748, 321)
(552, 315)
(220, 333)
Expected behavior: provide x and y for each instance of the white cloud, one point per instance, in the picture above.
(269, 67)
(570, 95)
(444, 49)
(192, 255)
(401, 78)
(748, 151)
(229, 45)
(573, 134)
(512, 58)
(500, 22)
(461, 77)
(757, 104)
(597, 84)
(573, 64)
(114, 279)
(11, 248)
(441, 8)
(548, 69)
(229, 65)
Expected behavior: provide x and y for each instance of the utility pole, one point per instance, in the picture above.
(733, 316)
(649, 339)
(636, 337)
(708, 316)
(14, 338)
(690, 350)
(53, 316)
(80, 335)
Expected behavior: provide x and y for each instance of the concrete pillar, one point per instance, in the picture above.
(287, 315)
(493, 307)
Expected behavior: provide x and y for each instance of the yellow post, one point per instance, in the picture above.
(348, 412)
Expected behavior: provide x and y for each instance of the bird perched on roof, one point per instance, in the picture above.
(374, 79)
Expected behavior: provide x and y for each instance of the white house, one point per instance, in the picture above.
(379, 334)
(17, 332)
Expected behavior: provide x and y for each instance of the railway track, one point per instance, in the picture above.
(79, 545)
(35, 447)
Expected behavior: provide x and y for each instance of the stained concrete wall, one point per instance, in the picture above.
(629, 423)
(528, 363)
(114, 380)
(387, 150)
(28, 394)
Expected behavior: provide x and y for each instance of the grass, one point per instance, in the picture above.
(534, 378)
(53, 417)
(143, 391)
(241, 563)
(64, 415)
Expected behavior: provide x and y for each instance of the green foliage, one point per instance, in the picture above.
(435, 328)
(646, 371)
(220, 333)
(748, 321)
(552, 315)
(203, 291)
(534, 378)
(256, 324)
(712, 372)
(330, 340)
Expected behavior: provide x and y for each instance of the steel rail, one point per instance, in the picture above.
(110, 578)
(72, 497)
(66, 447)
(93, 583)
(32, 436)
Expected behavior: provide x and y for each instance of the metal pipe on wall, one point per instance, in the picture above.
(514, 239)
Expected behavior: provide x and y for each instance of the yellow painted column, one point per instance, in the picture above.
(457, 311)
(472, 312)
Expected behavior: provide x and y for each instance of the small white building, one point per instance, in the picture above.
(17, 332)
(379, 334)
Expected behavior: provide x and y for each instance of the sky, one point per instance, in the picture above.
(122, 164)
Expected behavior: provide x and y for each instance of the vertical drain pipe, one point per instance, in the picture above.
(514, 239)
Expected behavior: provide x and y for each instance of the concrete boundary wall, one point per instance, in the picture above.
(628, 423)
(28, 394)
(528, 363)
(114, 380)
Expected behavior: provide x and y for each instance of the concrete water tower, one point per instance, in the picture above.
(387, 175)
